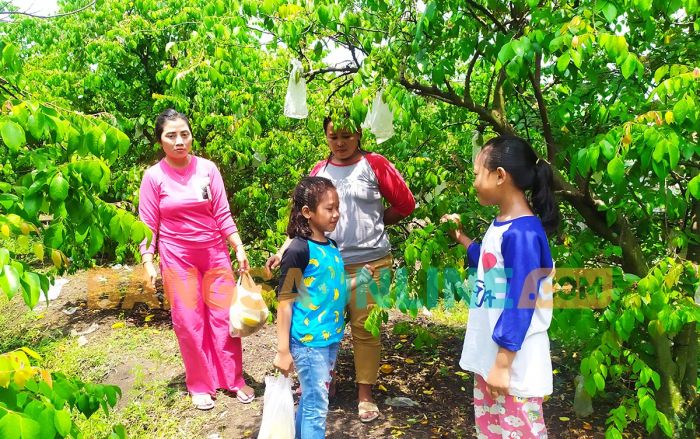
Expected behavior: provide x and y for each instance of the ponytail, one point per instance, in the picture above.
(308, 192)
(531, 175)
(542, 196)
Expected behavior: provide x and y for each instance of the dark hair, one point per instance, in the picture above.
(165, 116)
(326, 121)
(528, 172)
(308, 192)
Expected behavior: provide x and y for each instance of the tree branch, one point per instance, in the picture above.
(488, 13)
(28, 14)
(542, 107)
(468, 79)
(310, 75)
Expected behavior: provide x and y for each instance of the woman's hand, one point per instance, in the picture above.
(150, 275)
(242, 258)
(498, 380)
(284, 362)
(456, 233)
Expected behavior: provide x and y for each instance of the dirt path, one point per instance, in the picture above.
(141, 356)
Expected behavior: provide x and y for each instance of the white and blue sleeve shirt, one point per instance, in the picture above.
(510, 304)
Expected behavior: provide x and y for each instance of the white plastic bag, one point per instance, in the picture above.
(248, 311)
(278, 409)
(295, 100)
(380, 119)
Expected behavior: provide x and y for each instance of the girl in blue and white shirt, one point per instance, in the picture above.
(506, 343)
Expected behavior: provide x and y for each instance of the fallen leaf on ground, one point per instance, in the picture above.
(563, 418)
(386, 368)
(118, 325)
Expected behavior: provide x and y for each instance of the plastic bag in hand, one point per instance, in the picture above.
(278, 409)
(248, 311)
(295, 100)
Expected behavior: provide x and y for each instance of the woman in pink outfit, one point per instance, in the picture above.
(183, 201)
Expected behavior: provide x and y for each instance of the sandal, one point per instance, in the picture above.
(243, 397)
(202, 401)
(368, 411)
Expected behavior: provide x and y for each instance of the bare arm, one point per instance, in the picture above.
(283, 359)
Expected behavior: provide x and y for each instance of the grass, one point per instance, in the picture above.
(450, 314)
(155, 404)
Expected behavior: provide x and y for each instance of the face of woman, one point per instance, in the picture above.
(344, 144)
(176, 141)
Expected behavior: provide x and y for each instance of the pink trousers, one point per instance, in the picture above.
(506, 416)
(200, 285)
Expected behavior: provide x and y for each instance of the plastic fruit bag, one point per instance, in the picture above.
(380, 119)
(248, 311)
(278, 409)
(295, 100)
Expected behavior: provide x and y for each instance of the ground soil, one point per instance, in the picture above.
(429, 376)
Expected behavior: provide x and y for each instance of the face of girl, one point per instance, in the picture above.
(176, 140)
(488, 184)
(344, 144)
(326, 215)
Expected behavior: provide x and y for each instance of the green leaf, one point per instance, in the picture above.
(62, 421)
(563, 61)
(629, 66)
(323, 15)
(599, 381)
(18, 425)
(58, 189)
(616, 170)
(665, 425)
(694, 187)
(610, 12)
(674, 154)
(12, 135)
(31, 288)
(9, 280)
(10, 58)
(96, 240)
(576, 57)
(506, 54)
(32, 203)
(660, 73)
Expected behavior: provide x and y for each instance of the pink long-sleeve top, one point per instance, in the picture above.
(185, 207)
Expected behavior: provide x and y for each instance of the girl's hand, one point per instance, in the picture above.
(498, 381)
(366, 275)
(272, 263)
(150, 275)
(284, 362)
(242, 258)
(456, 233)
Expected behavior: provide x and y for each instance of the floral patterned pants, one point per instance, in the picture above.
(507, 416)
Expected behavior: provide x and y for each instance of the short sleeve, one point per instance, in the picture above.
(294, 261)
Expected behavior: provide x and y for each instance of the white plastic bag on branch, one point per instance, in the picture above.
(278, 409)
(295, 100)
(380, 119)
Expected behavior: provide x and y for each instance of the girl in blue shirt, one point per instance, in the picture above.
(506, 343)
(312, 297)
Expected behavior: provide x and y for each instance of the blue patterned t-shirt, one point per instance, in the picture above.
(314, 270)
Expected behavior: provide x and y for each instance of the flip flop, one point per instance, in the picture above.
(202, 401)
(368, 411)
(243, 397)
